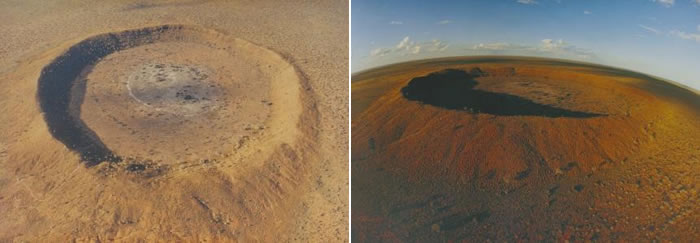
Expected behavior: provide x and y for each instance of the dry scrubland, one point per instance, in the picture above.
(173, 120)
(429, 173)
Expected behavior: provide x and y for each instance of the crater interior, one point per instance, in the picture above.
(167, 95)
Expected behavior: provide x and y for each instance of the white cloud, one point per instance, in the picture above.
(586, 12)
(560, 47)
(406, 43)
(686, 36)
(527, 1)
(547, 47)
(407, 46)
(438, 45)
(666, 3)
(379, 52)
(415, 49)
(447, 21)
(650, 29)
(498, 46)
(395, 22)
(549, 44)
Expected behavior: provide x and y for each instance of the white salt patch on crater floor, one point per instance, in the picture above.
(176, 89)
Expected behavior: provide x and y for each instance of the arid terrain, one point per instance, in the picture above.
(470, 149)
(173, 121)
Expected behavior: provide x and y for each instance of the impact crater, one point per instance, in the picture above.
(167, 94)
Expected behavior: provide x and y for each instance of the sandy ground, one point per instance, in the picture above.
(429, 173)
(46, 193)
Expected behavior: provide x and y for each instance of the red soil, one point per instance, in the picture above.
(405, 150)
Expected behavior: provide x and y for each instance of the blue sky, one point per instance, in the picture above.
(657, 37)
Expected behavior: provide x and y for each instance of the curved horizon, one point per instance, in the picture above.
(507, 57)
(661, 40)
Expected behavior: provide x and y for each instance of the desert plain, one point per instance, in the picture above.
(173, 120)
(507, 149)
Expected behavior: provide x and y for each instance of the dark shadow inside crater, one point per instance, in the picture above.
(454, 89)
(61, 90)
(56, 92)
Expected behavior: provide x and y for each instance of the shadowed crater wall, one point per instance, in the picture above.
(454, 89)
(55, 95)
(62, 87)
